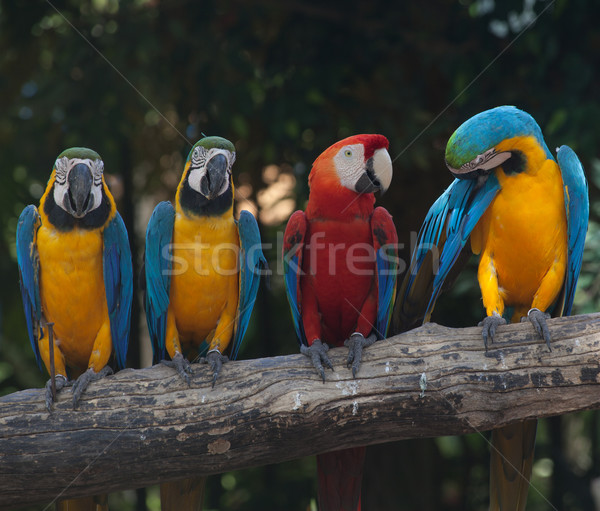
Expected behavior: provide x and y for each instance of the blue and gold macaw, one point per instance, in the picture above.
(202, 266)
(525, 215)
(76, 272)
(202, 275)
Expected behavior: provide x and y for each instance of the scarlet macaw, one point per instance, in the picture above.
(340, 273)
(526, 217)
(75, 271)
(202, 275)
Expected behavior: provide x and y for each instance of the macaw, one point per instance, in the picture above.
(340, 264)
(76, 272)
(525, 215)
(202, 275)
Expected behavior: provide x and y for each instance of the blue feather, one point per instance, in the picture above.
(291, 269)
(118, 283)
(578, 212)
(252, 263)
(457, 211)
(386, 280)
(159, 234)
(29, 271)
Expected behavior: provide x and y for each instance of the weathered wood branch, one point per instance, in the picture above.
(141, 427)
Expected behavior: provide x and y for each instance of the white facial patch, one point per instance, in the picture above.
(200, 158)
(484, 161)
(63, 168)
(350, 164)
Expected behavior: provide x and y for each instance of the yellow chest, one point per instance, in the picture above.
(524, 230)
(205, 273)
(72, 287)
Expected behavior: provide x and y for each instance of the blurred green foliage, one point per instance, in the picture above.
(139, 80)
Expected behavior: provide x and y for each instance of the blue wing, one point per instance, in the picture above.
(29, 272)
(293, 247)
(118, 283)
(252, 261)
(448, 225)
(578, 212)
(157, 263)
(385, 242)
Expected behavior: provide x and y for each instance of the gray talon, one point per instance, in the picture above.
(356, 343)
(490, 324)
(181, 365)
(538, 320)
(85, 379)
(216, 361)
(317, 352)
(60, 381)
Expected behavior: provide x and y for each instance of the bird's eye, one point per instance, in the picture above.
(479, 159)
(348, 153)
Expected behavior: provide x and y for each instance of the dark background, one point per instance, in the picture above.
(138, 81)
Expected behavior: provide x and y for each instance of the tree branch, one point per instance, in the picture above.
(141, 427)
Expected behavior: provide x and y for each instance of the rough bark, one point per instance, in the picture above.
(141, 427)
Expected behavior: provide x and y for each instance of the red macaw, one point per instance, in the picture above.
(340, 265)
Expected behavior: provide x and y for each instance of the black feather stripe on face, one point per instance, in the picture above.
(195, 203)
(65, 222)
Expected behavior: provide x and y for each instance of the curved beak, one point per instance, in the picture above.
(377, 175)
(79, 200)
(216, 174)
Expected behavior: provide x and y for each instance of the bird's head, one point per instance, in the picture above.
(208, 166)
(78, 181)
(480, 145)
(360, 163)
(206, 186)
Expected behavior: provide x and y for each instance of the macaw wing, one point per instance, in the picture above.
(442, 238)
(157, 263)
(385, 242)
(252, 262)
(118, 284)
(29, 273)
(293, 247)
(578, 212)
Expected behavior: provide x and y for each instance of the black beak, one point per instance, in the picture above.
(79, 199)
(368, 183)
(216, 174)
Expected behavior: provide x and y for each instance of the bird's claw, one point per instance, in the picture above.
(60, 381)
(356, 343)
(490, 324)
(215, 360)
(317, 352)
(181, 365)
(85, 379)
(538, 320)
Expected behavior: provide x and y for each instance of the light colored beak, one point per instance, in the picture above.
(382, 167)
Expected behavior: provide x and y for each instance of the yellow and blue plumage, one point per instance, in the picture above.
(526, 215)
(202, 266)
(76, 272)
(202, 275)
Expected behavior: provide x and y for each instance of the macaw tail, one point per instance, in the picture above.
(95, 503)
(510, 465)
(340, 479)
(182, 495)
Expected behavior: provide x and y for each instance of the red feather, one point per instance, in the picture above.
(337, 291)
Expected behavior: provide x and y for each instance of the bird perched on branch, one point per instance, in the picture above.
(340, 262)
(202, 266)
(76, 273)
(76, 281)
(525, 215)
(202, 275)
